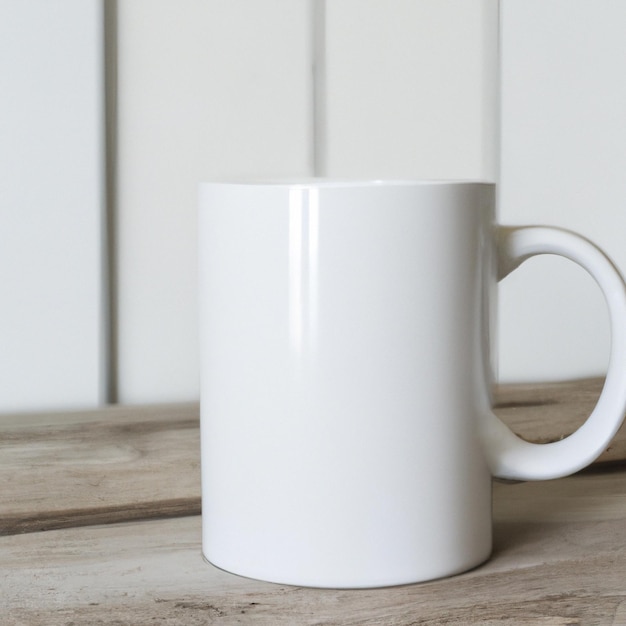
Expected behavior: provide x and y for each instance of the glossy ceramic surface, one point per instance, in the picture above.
(347, 432)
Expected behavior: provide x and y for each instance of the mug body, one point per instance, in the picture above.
(345, 363)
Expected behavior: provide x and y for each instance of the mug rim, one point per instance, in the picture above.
(332, 182)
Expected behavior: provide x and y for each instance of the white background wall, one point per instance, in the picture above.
(206, 89)
(223, 88)
(52, 312)
(563, 162)
(411, 88)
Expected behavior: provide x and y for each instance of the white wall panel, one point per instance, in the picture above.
(410, 88)
(563, 159)
(51, 204)
(206, 89)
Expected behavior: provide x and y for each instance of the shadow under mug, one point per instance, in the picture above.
(346, 344)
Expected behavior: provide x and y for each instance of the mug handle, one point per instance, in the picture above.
(512, 458)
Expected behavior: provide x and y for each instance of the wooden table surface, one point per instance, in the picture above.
(99, 524)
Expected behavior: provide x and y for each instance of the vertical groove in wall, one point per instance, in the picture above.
(319, 139)
(110, 323)
(497, 143)
(490, 17)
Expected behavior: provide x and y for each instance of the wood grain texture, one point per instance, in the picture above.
(553, 564)
(96, 467)
(546, 412)
(130, 463)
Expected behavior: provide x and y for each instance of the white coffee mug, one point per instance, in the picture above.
(347, 357)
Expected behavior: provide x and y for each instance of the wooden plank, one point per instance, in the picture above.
(546, 412)
(96, 467)
(545, 570)
(129, 463)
